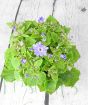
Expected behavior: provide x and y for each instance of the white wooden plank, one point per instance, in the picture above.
(8, 10)
(69, 12)
(32, 9)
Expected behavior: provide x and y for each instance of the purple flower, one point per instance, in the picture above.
(23, 61)
(41, 19)
(26, 75)
(14, 28)
(63, 56)
(42, 34)
(31, 49)
(50, 55)
(40, 49)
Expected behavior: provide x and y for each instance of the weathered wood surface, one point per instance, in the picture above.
(73, 13)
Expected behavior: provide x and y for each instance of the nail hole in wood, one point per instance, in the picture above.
(83, 9)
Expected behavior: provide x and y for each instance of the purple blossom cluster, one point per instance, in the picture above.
(14, 28)
(42, 34)
(26, 75)
(41, 19)
(40, 49)
(23, 61)
(50, 55)
(63, 56)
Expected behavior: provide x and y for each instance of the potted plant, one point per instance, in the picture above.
(41, 54)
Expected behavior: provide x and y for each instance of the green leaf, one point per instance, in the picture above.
(38, 63)
(8, 73)
(51, 86)
(54, 37)
(11, 63)
(73, 54)
(48, 39)
(10, 52)
(70, 77)
(15, 62)
(24, 35)
(35, 78)
(30, 81)
(59, 83)
(29, 41)
(11, 24)
(51, 20)
(58, 29)
(53, 73)
(66, 29)
(23, 50)
(26, 25)
(61, 66)
(41, 78)
(17, 75)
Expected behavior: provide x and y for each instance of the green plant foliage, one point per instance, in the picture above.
(69, 77)
(41, 54)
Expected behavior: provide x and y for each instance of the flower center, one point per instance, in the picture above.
(40, 49)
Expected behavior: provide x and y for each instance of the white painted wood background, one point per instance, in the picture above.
(73, 13)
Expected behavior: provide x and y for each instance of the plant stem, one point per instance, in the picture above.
(46, 99)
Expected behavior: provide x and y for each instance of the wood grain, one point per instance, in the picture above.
(73, 13)
(6, 16)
